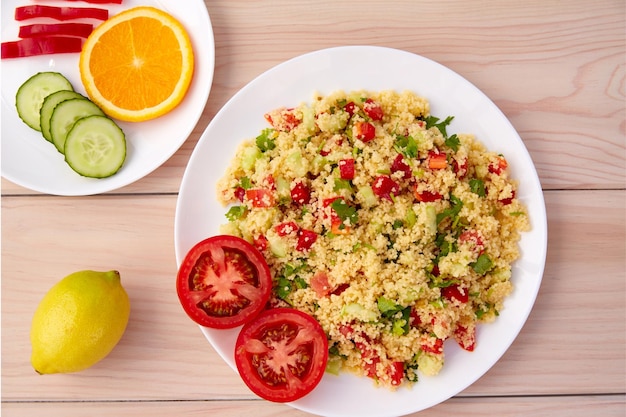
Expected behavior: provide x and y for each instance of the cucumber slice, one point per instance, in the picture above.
(64, 116)
(48, 106)
(30, 95)
(95, 147)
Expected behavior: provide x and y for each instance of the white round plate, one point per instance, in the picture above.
(198, 213)
(32, 162)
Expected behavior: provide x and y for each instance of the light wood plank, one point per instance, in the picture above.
(556, 70)
(573, 343)
(579, 406)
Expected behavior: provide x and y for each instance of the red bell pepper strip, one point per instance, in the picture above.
(59, 13)
(41, 46)
(82, 30)
(98, 1)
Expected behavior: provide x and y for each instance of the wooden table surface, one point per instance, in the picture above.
(557, 71)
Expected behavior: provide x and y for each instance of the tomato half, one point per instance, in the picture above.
(223, 282)
(281, 354)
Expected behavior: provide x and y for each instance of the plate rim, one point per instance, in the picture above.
(539, 223)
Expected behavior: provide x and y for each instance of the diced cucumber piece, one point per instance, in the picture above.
(277, 246)
(31, 94)
(95, 147)
(367, 197)
(249, 156)
(64, 116)
(48, 106)
(296, 164)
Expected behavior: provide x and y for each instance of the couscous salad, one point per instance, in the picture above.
(394, 234)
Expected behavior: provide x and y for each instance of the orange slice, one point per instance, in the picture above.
(138, 64)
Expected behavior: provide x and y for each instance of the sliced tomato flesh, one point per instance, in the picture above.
(281, 354)
(223, 282)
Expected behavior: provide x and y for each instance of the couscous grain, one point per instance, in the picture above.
(394, 234)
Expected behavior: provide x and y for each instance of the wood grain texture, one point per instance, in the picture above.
(556, 69)
(572, 344)
(606, 406)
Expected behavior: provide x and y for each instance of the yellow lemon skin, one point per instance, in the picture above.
(78, 322)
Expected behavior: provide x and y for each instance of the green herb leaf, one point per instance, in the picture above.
(264, 141)
(482, 265)
(407, 145)
(387, 307)
(477, 186)
(345, 211)
(235, 213)
(432, 121)
(283, 289)
(453, 142)
(453, 211)
(245, 183)
(341, 184)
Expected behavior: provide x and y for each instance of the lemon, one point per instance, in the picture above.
(78, 322)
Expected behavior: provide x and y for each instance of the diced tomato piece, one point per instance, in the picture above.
(399, 165)
(306, 239)
(455, 292)
(320, 284)
(373, 109)
(261, 243)
(369, 359)
(44, 45)
(283, 119)
(346, 330)
(301, 193)
(437, 160)
(33, 11)
(240, 193)
(507, 201)
(466, 338)
(286, 228)
(426, 196)
(460, 169)
(414, 318)
(435, 346)
(384, 187)
(81, 30)
(499, 166)
(346, 169)
(395, 372)
(261, 197)
(350, 108)
(475, 238)
(364, 131)
(337, 227)
(340, 288)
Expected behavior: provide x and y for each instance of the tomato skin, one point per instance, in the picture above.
(261, 197)
(281, 341)
(211, 273)
(455, 292)
(399, 165)
(373, 109)
(346, 169)
(306, 239)
(384, 187)
(364, 131)
(301, 193)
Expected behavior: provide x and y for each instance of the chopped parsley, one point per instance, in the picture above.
(407, 146)
(345, 211)
(477, 187)
(482, 265)
(264, 141)
(235, 213)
